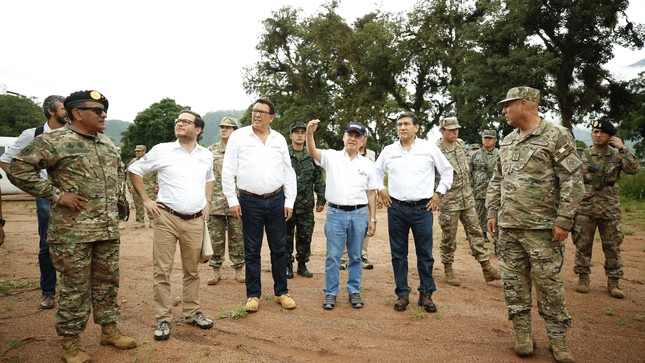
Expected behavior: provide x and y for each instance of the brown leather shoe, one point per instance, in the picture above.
(402, 303)
(425, 300)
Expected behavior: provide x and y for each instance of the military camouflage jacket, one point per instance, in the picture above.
(537, 180)
(219, 205)
(310, 179)
(460, 194)
(85, 165)
(605, 203)
(481, 170)
(149, 180)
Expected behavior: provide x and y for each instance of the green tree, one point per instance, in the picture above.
(628, 103)
(18, 113)
(152, 126)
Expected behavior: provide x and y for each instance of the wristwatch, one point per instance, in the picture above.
(440, 194)
(2, 222)
(373, 220)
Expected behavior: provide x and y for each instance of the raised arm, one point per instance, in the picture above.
(311, 144)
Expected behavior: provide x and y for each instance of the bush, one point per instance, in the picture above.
(632, 187)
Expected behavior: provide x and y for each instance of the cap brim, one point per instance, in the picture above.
(508, 99)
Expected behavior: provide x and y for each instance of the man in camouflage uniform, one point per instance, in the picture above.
(150, 183)
(600, 207)
(219, 220)
(482, 162)
(459, 205)
(532, 198)
(84, 172)
(309, 180)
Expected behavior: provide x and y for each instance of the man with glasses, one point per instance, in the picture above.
(257, 157)
(150, 182)
(56, 118)
(84, 170)
(186, 181)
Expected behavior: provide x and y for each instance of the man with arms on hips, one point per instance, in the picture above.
(310, 179)
(600, 207)
(150, 183)
(220, 221)
(351, 214)
(410, 198)
(482, 162)
(186, 181)
(257, 157)
(459, 205)
(531, 200)
(56, 118)
(84, 171)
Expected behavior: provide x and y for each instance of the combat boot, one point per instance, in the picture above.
(451, 279)
(240, 275)
(302, 270)
(72, 351)
(111, 335)
(614, 289)
(524, 340)
(560, 350)
(215, 277)
(583, 284)
(490, 273)
(289, 270)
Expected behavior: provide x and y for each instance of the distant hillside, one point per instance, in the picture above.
(212, 120)
(639, 64)
(114, 129)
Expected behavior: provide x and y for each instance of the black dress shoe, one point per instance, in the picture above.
(402, 303)
(289, 270)
(425, 300)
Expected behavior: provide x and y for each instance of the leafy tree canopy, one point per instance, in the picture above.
(18, 113)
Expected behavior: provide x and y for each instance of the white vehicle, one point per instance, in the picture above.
(7, 187)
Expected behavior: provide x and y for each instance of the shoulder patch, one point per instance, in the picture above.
(571, 163)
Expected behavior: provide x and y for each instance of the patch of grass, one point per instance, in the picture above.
(240, 311)
(12, 287)
(388, 301)
(15, 342)
(640, 317)
(418, 313)
(628, 231)
(268, 297)
(608, 311)
(9, 305)
(623, 322)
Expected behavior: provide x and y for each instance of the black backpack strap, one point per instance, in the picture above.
(39, 130)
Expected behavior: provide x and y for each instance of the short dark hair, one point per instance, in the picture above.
(199, 122)
(415, 119)
(50, 104)
(268, 103)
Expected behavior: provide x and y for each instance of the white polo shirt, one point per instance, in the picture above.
(182, 176)
(411, 174)
(347, 180)
(258, 167)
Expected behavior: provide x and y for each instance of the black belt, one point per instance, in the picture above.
(347, 207)
(262, 196)
(182, 216)
(412, 204)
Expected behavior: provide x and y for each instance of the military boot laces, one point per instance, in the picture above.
(560, 350)
(72, 351)
(111, 335)
(583, 284)
(524, 343)
(490, 273)
(451, 279)
(614, 289)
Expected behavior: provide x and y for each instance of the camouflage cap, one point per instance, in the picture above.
(604, 125)
(86, 96)
(449, 123)
(522, 93)
(140, 148)
(297, 125)
(228, 121)
(474, 147)
(490, 133)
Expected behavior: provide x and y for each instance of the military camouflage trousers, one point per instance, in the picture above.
(611, 237)
(138, 205)
(217, 227)
(528, 256)
(300, 226)
(448, 222)
(89, 279)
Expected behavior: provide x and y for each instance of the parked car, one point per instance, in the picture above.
(5, 184)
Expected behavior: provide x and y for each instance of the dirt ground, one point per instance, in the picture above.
(470, 326)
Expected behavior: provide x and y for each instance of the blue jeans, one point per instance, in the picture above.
(341, 226)
(401, 218)
(47, 271)
(260, 215)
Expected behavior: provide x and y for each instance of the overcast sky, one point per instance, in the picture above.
(137, 52)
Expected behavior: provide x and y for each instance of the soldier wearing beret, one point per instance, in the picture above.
(309, 180)
(602, 164)
(84, 170)
(459, 205)
(531, 201)
(220, 220)
(150, 183)
(482, 162)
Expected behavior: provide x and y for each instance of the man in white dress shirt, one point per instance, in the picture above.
(410, 165)
(351, 187)
(257, 157)
(186, 181)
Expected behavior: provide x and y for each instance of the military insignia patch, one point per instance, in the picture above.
(96, 95)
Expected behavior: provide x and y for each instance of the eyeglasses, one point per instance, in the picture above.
(183, 121)
(97, 110)
(261, 112)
